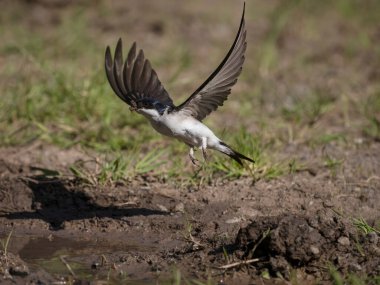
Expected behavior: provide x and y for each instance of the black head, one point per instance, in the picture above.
(150, 103)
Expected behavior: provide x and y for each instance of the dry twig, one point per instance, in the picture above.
(62, 257)
(236, 264)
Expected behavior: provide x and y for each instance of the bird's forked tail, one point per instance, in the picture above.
(226, 149)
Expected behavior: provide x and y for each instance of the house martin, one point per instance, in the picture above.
(136, 83)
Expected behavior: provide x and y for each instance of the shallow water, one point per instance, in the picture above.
(55, 254)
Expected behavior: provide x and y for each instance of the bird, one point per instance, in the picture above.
(136, 83)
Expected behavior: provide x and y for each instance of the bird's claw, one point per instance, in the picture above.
(204, 153)
(194, 160)
(192, 157)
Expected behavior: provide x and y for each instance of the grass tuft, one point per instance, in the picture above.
(253, 147)
(372, 113)
(364, 227)
(308, 110)
(120, 169)
(338, 278)
(5, 243)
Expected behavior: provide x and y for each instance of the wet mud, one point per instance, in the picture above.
(299, 226)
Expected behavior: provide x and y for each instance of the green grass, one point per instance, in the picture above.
(178, 279)
(371, 111)
(120, 169)
(308, 110)
(351, 279)
(5, 243)
(269, 54)
(364, 227)
(251, 145)
(332, 164)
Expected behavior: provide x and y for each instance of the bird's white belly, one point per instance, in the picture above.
(185, 129)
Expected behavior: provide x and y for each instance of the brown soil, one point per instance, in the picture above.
(144, 229)
(295, 227)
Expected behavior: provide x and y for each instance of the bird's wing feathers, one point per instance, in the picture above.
(134, 79)
(215, 90)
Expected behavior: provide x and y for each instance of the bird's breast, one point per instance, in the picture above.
(162, 128)
(184, 128)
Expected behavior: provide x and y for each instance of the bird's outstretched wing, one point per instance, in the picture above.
(134, 79)
(215, 90)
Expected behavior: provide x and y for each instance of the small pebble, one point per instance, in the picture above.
(314, 250)
(179, 208)
(373, 237)
(162, 208)
(234, 220)
(355, 267)
(344, 241)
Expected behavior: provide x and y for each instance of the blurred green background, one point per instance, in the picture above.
(311, 76)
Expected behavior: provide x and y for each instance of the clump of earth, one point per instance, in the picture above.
(314, 242)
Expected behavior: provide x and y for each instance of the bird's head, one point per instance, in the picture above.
(150, 107)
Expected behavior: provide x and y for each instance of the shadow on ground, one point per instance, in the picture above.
(56, 201)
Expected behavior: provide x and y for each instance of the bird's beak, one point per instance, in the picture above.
(132, 109)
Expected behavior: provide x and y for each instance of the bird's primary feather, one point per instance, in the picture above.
(215, 90)
(134, 79)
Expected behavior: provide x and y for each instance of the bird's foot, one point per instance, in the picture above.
(194, 161)
(204, 153)
(192, 157)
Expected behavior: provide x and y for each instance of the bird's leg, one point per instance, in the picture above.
(204, 146)
(192, 157)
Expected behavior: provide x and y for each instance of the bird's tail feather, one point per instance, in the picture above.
(226, 149)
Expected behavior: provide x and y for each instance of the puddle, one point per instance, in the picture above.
(47, 253)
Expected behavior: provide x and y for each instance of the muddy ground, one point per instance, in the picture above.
(143, 231)
(305, 225)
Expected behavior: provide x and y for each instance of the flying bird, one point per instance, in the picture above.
(136, 83)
